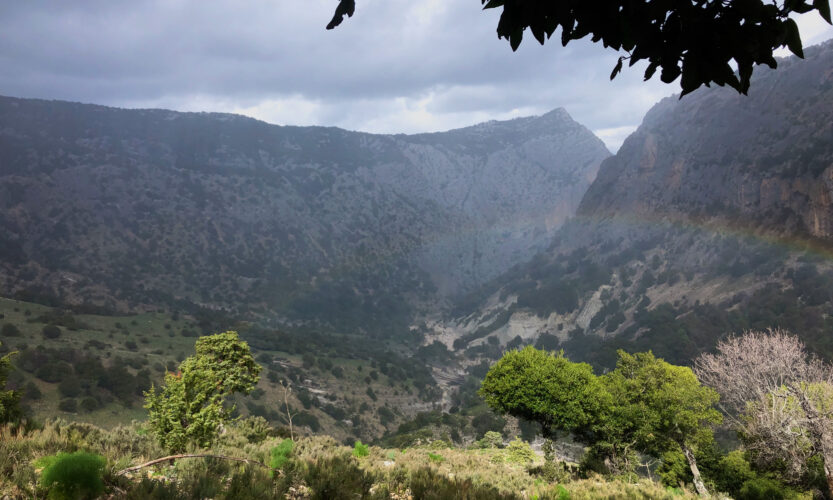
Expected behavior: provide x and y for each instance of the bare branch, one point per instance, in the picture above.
(171, 458)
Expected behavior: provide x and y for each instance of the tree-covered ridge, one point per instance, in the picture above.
(127, 210)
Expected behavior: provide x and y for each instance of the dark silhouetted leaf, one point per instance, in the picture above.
(345, 8)
(617, 68)
(793, 38)
(664, 32)
(823, 6)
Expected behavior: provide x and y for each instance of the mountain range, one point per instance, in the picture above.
(714, 216)
(132, 209)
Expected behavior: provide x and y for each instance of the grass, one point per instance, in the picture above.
(313, 466)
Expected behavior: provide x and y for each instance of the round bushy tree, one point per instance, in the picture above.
(545, 387)
(9, 330)
(51, 331)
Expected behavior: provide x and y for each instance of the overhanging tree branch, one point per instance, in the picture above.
(701, 42)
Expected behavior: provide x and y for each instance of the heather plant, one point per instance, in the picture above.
(73, 476)
(427, 484)
(338, 476)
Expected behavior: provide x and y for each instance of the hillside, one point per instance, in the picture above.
(131, 210)
(712, 218)
(95, 368)
(763, 160)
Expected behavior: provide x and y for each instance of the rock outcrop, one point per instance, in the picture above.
(765, 159)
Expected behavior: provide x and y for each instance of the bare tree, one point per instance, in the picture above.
(287, 389)
(777, 395)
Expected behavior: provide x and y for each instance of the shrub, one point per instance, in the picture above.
(9, 330)
(360, 450)
(491, 439)
(251, 484)
(427, 484)
(10, 410)
(280, 454)
(223, 365)
(89, 404)
(255, 429)
(73, 475)
(435, 457)
(675, 470)
(31, 391)
(734, 470)
(337, 477)
(552, 472)
(70, 387)
(762, 489)
(53, 372)
(51, 331)
(149, 489)
(307, 419)
(68, 405)
(518, 451)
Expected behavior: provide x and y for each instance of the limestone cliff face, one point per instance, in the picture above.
(627, 270)
(510, 196)
(127, 207)
(764, 160)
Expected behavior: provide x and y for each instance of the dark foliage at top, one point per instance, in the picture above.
(695, 39)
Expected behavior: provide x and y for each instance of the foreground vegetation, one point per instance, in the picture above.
(313, 467)
(645, 419)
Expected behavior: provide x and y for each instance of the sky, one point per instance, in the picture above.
(396, 66)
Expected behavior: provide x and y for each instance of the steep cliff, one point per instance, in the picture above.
(136, 208)
(714, 217)
(764, 160)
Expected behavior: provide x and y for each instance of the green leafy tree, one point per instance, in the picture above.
(547, 388)
(9, 400)
(645, 405)
(658, 407)
(697, 41)
(191, 405)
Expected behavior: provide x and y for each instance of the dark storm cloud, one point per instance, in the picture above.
(395, 66)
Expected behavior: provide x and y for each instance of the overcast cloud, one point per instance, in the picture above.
(396, 66)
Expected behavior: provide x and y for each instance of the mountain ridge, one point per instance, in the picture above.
(712, 218)
(221, 210)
